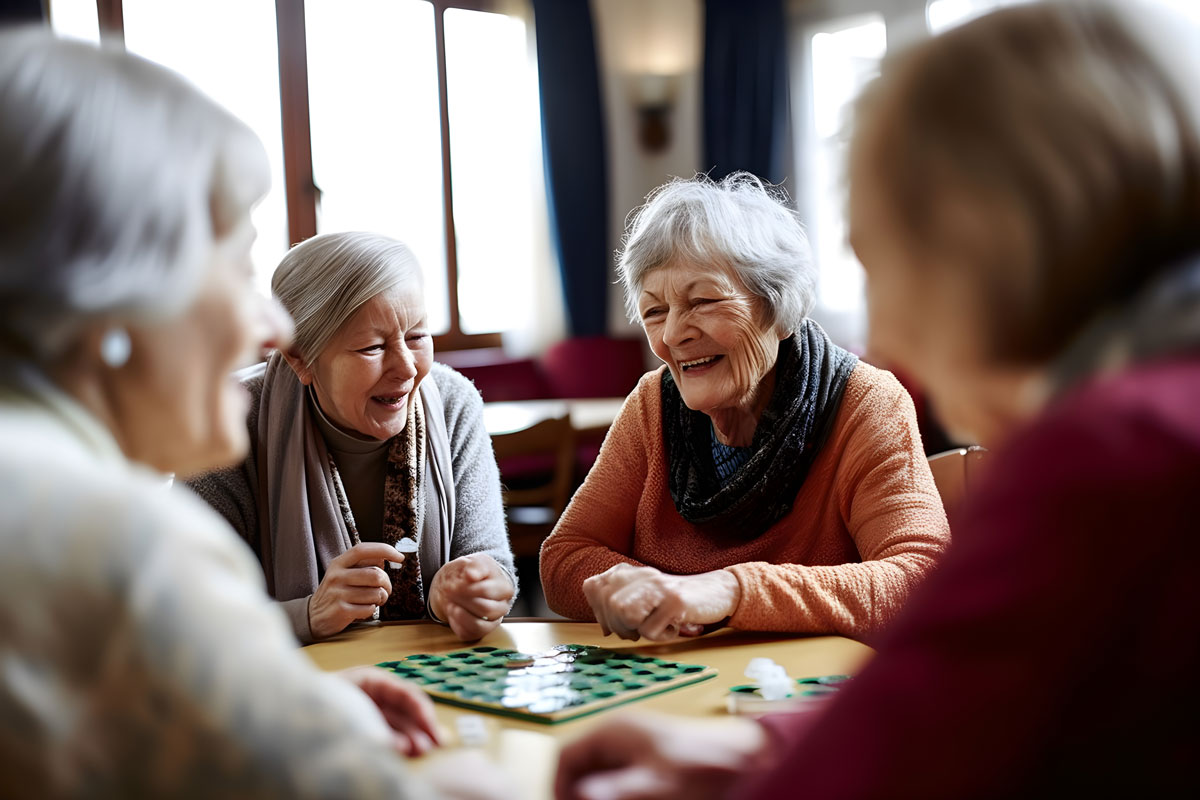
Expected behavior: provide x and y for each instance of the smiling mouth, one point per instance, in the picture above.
(390, 400)
(698, 363)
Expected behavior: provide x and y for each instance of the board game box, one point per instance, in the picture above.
(563, 683)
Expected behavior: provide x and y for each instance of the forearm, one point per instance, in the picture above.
(567, 560)
(852, 600)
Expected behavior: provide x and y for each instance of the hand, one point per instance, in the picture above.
(353, 586)
(633, 602)
(467, 775)
(646, 756)
(407, 709)
(471, 593)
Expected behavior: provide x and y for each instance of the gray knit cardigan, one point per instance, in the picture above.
(479, 512)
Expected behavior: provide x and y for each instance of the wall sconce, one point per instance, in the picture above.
(654, 97)
(655, 46)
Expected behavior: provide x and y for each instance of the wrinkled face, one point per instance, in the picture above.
(709, 329)
(175, 403)
(370, 368)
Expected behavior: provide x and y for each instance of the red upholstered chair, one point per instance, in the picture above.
(593, 366)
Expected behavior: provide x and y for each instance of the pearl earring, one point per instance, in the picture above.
(115, 347)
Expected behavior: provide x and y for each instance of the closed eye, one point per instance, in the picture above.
(651, 312)
(372, 348)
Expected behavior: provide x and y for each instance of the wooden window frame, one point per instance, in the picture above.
(300, 188)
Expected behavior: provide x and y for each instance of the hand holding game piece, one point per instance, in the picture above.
(407, 710)
(353, 587)
(649, 756)
(635, 602)
(472, 594)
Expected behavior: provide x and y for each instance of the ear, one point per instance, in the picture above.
(292, 357)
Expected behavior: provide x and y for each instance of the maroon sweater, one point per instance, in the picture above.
(1056, 651)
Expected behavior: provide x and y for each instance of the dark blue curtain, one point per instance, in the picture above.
(745, 88)
(576, 165)
(18, 11)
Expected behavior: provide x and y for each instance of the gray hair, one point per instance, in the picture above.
(739, 222)
(324, 280)
(119, 180)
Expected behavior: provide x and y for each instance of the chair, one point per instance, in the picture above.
(536, 469)
(536, 465)
(955, 472)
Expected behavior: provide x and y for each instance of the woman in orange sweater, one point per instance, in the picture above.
(765, 478)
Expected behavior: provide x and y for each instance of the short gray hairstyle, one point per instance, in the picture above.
(740, 222)
(119, 180)
(324, 280)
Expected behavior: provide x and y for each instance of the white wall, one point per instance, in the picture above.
(640, 36)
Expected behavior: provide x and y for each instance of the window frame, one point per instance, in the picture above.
(300, 189)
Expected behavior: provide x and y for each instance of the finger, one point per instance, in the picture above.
(481, 607)
(633, 783)
(612, 745)
(364, 596)
(402, 703)
(368, 554)
(468, 627)
(353, 611)
(365, 577)
(665, 620)
(631, 605)
(493, 588)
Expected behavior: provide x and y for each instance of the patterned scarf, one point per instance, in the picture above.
(810, 376)
(402, 513)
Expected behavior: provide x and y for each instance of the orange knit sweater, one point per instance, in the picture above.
(866, 526)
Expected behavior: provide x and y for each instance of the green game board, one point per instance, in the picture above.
(563, 683)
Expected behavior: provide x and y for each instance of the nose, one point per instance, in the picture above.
(401, 362)
(678, 329)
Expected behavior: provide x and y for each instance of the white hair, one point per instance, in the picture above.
(739, 222)
(324, 280)
(118, 181)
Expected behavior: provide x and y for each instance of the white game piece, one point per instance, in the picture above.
(406, 545)
(471, 730)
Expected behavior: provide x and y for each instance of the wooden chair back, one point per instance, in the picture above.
(532, 510)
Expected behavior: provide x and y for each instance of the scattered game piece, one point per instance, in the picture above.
(520, 660)
(471, 730)
(749, 698)
(772, 679)
(562, 683)
(406, 545)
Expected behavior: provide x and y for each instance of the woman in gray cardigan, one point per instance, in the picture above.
(371, 489)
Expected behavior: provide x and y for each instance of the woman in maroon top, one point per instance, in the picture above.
(1025, 198)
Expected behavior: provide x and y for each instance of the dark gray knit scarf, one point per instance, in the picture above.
(810, 376)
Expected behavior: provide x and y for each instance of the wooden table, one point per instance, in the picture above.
(529, 750)
(588, 415)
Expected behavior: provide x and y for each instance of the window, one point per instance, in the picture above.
(841, 56)
(415, 118)
(944, 14)
(236, 65)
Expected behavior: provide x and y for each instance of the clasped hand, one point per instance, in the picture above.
(472, 594)
(635, 602)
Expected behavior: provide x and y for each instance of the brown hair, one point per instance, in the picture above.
(1062, 140)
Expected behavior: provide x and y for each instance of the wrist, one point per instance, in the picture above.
(731, 590)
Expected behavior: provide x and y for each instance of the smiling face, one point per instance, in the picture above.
(367, 373)
(710, 331)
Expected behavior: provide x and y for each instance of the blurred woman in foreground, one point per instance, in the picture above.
(1025, 197)
(139, 655)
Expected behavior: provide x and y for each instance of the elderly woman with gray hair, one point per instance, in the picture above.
(139, 654)
(371, 488)
(764, 478)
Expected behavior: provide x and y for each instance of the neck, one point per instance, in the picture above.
(735, 426)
